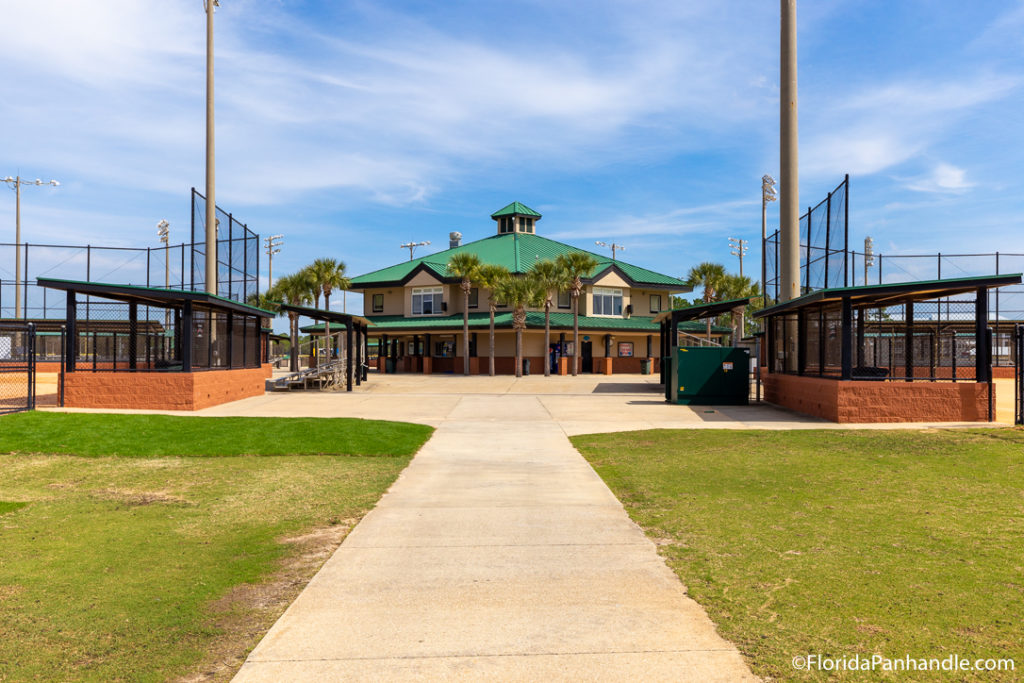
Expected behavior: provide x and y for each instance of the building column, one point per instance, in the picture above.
(982, 364)
(908, 341)
(348, 356)
(71, 342)
(846, 327)
(133, 335)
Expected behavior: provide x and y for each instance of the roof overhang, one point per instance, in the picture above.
(333, 317)
(152, 296)
(613, 268)
(709, 310)
(878, 296)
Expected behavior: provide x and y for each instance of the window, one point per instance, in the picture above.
(655, 303)
(427, 300)
(378, 303)
(564, 300)
(474, 298)
(505, 224)
(527, 224)
(607, 301)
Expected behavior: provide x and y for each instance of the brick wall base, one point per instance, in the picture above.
(162, 390)
(847, 402)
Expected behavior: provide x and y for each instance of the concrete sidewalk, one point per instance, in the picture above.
(498, 554)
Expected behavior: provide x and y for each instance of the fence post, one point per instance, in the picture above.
(846, 233)
(24, 289)
(828, 234)
(807, 278)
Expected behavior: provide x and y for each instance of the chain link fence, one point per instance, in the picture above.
(17, 367)
(238, 253)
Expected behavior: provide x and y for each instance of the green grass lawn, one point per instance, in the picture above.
(839, 543)
(151, 567)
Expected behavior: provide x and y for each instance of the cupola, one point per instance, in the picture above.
(516, 217)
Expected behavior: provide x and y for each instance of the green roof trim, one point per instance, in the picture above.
(59, 283)
(517, 252)
(534, 321)
(515, 209)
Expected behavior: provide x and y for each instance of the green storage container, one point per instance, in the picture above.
(715, 375)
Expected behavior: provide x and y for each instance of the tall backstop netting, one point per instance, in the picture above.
(238, 253)
(824, 246)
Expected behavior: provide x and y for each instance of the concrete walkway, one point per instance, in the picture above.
(498, 554)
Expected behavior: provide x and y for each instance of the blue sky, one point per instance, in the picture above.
(354, 126)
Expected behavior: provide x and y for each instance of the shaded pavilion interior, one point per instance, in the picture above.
(349, 343)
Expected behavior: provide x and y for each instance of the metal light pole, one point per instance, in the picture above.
(789, 212)
(273, 246)
(17, 182)
(412, 245)
(163, 230)
(211, 202)
(739, 247)
(768, 194)
(869, 256)
(613, 247)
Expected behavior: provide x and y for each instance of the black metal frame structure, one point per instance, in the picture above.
(238, 253)
(669, 323)
(827, 330)
(17, 367)
(356, 339)
(208, 332)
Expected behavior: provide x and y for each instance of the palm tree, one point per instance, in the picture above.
(327, 274)
(295, 290)
(465, 266)
(552, 280)
(577, 265)
(519, 291)
(487, 277)
(740, 287)
(710, 276)
(312, 281)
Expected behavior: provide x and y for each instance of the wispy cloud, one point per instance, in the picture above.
(943, 178)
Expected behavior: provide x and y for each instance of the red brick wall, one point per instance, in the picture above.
(162, 390)
(855, 401)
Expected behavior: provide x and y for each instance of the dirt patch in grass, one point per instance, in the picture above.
(139, 498)
(248, 611)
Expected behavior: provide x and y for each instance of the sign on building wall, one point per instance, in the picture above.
(625, 349)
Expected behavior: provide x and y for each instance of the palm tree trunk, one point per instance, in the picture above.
(547, 338)
(327, 323)
(575, 333)
(519, 352)
(491, 343)
(708, 322)
(465, 328)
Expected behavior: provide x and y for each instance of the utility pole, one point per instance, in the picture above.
(412, 245)
(768, 194)
(163, 230)
(613, 247)
(273, 246)
(211, 202)
(789, 212)
(739, 247)
(17, 182)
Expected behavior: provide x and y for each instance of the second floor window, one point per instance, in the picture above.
(378, 303)
(607, 301)
(474, 298)
(564, 300)
(427, 300)
(655, 303)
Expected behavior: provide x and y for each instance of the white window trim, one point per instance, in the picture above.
(606, 291)
(423, 291)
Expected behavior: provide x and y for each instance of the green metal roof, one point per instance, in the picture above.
(517, 252)
(120, 292)
(534, 321)
(871, 296)
(515, 209)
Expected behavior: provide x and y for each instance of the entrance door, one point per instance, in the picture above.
(587, 358)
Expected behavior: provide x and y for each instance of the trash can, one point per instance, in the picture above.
(526, 366)
(646, 366)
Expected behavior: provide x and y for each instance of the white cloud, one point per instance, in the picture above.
(883, 127)
(943, 178)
